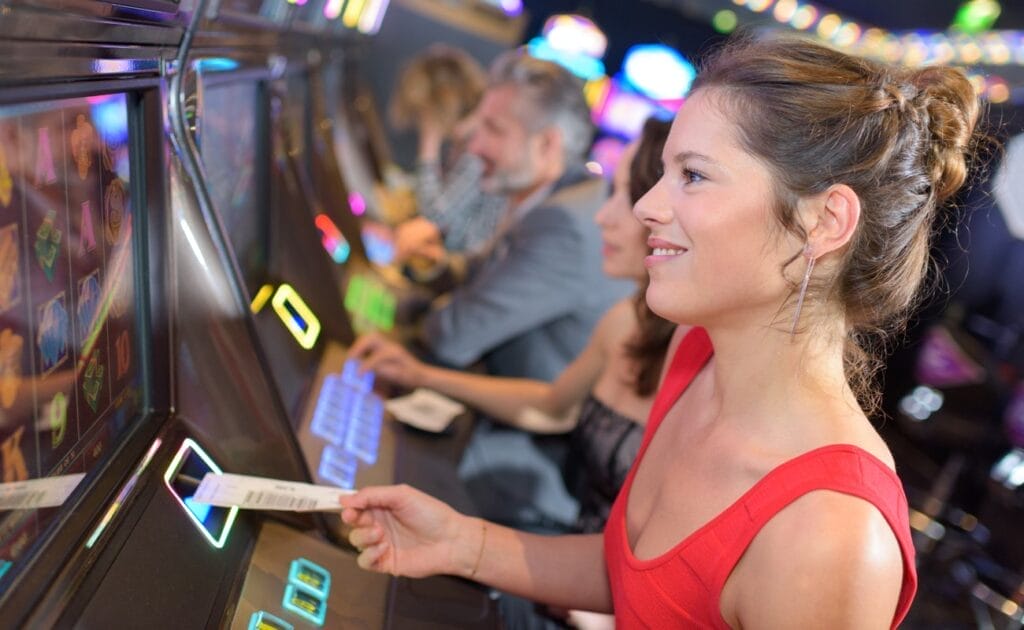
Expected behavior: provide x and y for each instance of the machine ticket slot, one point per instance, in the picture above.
(261, 493)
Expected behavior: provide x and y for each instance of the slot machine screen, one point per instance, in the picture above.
(282, 285)
(230, 144)
(297, 111)
(70, 387)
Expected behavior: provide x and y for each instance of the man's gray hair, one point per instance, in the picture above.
(554, 98)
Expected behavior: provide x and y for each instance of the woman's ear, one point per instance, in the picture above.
(831, 219)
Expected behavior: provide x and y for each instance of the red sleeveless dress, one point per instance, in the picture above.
(681, 588)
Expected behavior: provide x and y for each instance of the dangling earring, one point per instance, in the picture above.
(803, 287)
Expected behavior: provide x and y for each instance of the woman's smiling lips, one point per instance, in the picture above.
(662, 250)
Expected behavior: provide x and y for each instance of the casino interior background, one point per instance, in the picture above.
(177, 181)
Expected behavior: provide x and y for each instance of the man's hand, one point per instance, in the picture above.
(419, 238)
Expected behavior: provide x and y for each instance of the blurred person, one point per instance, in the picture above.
(526, 305)
(604, 395)
(792, 222)
(437, 94)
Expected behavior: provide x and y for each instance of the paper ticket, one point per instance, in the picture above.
(425, 409)
(38, 493)
(261, 493)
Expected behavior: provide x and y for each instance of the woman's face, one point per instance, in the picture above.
(624, 239)
(716, 251)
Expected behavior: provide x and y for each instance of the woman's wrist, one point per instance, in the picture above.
(468, 547)
(428, 376)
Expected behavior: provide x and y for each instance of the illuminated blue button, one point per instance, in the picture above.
(5, 566)
(363, 436)
(333, 409)
(201, 510)
(338, 467)
(262, 620)
(311, 575)
(350, 375)
(305, 603)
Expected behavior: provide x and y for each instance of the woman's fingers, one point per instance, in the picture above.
(373, 558)
(364, 537)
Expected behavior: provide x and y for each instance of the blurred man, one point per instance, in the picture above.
(526, 305)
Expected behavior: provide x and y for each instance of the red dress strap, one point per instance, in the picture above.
(842, 468)
(693, 352)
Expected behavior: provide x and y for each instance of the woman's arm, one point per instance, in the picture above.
(528, 404)
(400, 530)
(828, 560)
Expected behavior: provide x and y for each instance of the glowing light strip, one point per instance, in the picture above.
(333, 9)
(123, 494)
(287, 296)
(352, 13)
(333, 240)
(189, 445)
(372, 16)
(194, 244)
(261, 298)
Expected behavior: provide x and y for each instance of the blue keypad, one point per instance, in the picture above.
(349, 416)
(338, 467)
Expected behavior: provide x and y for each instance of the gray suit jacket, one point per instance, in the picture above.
(528, 305)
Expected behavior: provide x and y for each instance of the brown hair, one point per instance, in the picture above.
(650, 344)
(901, 138)
(443, 80)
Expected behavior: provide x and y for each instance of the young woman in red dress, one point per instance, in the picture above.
(791, 225)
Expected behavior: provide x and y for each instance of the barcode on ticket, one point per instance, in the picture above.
(22, 500)
(274, 501)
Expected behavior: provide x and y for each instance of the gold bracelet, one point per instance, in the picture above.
(480, 554)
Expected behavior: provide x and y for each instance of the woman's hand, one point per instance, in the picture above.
(402, 531)
(388, 360)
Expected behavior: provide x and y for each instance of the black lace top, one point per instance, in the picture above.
(603, 447)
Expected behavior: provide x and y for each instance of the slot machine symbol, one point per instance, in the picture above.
(92, 381)
(87, 233)
(14, 459)
(52, 335)
(6, 181)
(89, 291)
(10, 280)
(56, 415)
(11, 346)
(46, 171)
(114, 210)
(83, 141)
(123, 346)
(48, 244)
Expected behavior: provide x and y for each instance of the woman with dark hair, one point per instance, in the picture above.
(791, 226)
(604, 395)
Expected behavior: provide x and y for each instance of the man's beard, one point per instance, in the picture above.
(509, 181)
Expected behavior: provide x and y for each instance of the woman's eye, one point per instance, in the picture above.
(691, 176)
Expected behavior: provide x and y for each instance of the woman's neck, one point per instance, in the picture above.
(764, 374)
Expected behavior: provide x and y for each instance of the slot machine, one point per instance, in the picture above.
(132, 362)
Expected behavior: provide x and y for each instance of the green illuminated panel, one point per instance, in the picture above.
(370, 304)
